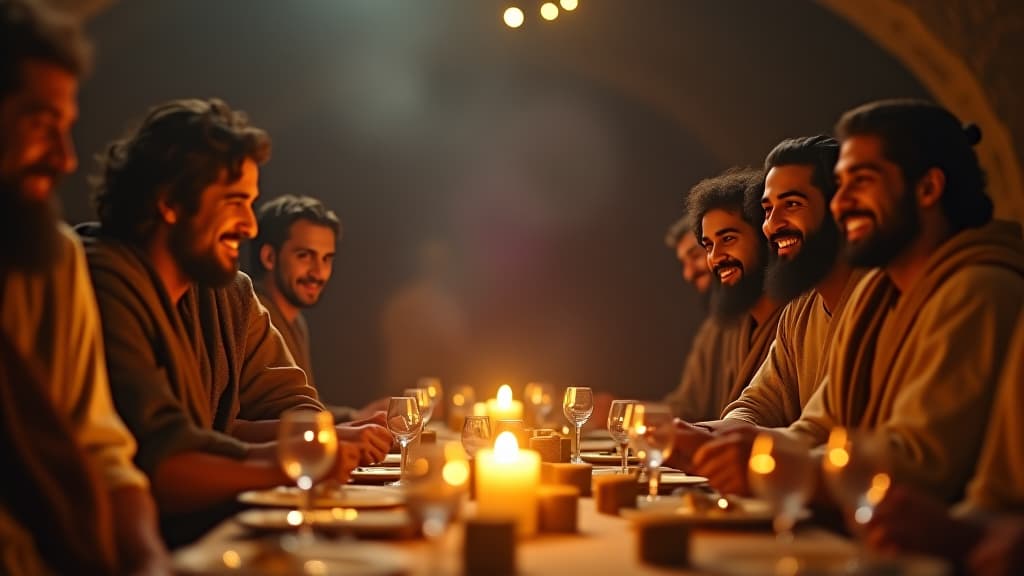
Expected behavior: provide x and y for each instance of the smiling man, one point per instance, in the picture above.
(727, 221)
(198, 372)
(919, 346)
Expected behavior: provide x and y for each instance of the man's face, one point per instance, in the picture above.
(802, 236)
(695, 265)
(875, 211)
(205, 244)
(304, 263)
(35, 152)
(735, 255)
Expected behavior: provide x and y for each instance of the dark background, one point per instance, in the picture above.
(549, 159)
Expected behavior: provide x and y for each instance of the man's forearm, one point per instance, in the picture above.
(140, 548)
(193, 481)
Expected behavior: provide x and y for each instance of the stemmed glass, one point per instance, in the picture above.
(651, 430)
(856, 472)
(438, 479)
(578, 405)
(404, 423)
(539, 397)
(782, 473)
(434, 390)
(423, 400)
(307, 445)
(476, 434)
(620, 416)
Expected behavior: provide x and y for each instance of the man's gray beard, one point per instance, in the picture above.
(30, 240)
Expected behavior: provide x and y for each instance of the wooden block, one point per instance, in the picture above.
(612, 493)
(663, 541)
(558, 508)
(577, 475)
(428, 437)
(566, 450)
(549, 447)
(489, 547)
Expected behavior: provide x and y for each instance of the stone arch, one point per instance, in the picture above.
(901, 31)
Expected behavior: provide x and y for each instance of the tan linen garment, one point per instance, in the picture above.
(794, 367)
(998, 483)
(708, 373)
(922, 366)
(754, 343)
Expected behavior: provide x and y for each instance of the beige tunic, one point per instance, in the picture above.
(921, 367)
(793, 369)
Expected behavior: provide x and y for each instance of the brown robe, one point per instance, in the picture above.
(708, 373)
(921, 367)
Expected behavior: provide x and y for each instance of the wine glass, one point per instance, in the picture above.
(307, 446)
(423, 400)
(620, 415)
(578, 405)
(539, 397)
(404, 423)
(476, 434)
(437, 483)
(782, 473)
(856, 473)
(652, 432)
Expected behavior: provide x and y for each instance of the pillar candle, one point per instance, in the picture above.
(504, 407)
(506, 483)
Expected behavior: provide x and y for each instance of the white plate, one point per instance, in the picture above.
(595, 457)
(265, 559)
(375, 474)
(681, 479)
(823, 563)
(743, 512)
(349, 497)
(393, 522)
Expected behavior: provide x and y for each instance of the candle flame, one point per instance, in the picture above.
(505, 396)
(761, 460)
(506, 447)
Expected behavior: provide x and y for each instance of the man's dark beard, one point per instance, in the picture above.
(200, 268)
(786, 279)
(887, 241)
(730, 303)
(288, 291)
(29, 233)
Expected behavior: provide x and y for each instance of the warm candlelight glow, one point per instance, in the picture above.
(506, 483)
(506, 448)
(504, 396)
(761, 461)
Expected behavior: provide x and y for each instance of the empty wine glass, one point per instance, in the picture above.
(434, 390)
(620, 416)
(652, 433)
(578, 405)
(404, 423)
(782, 473)
(437, 483)
(307, 445)
(856, 473)
(539, 397)
(476, 434)
(423, 400)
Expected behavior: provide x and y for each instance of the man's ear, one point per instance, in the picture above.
(931, 187)
(267, 257)
(168, 213)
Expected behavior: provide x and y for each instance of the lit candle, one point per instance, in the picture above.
(504, 407)
(506, 483)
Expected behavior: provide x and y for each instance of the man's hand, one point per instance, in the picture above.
(380, 418)
(1001, 550)
(371, 410)
(373, 440)
(346, 461)
(908, 521)
(688, 439)
(724, 461)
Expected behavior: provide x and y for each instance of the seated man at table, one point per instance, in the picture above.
(984, 534)
(712, 354)
(72, 502)
(806, 267)
(292, 260)
(727, 219)
(198, 372)
(918, 347)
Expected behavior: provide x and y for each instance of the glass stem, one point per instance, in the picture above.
(625, 451)
(652, 486)
(577, 458)
(306, 508)
(405, 453)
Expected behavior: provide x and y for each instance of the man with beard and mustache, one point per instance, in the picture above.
(199, 374)
(72, 500)
(712, 355)
(727, 221)
(292, 260)
(806, 267)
